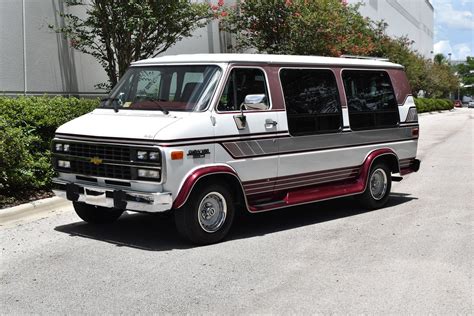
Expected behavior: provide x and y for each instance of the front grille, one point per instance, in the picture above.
(104, 170)
(103, 160)
(106, 152)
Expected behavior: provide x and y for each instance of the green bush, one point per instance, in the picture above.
(428, 105)
(27, 125)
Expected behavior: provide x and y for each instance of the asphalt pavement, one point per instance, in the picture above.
(414, 256)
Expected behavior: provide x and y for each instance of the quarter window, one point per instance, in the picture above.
(312, 101)
(241, 83)
(370, 99)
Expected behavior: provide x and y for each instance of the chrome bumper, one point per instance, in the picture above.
(113, 198)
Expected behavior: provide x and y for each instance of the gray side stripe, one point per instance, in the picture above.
(290, 144)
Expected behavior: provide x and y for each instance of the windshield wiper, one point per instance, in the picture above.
(160, 107)
(115, 104)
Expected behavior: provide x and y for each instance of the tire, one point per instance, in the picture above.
(378, 187)
(96, 214)
(207, 216)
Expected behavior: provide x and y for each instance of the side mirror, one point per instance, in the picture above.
(251, 102)
(255, 102)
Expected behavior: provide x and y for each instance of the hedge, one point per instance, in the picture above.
(428, 105)
(27, 126)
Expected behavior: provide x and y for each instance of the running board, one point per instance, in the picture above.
(397, 179)
(312, 194)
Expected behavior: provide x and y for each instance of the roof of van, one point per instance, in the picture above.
(267, 59)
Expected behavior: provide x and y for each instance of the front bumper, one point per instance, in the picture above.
(113, 198)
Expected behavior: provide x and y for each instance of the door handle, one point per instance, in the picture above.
(270, 123)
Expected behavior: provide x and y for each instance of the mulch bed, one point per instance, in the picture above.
(22, 197)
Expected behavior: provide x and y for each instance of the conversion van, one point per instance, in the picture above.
(205, 136)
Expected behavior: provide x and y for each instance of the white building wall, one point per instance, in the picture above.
(413, 18)
(37, 61)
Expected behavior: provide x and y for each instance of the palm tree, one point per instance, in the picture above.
(440, 59)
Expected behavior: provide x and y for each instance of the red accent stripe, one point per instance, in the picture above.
(326, 191)
(194, 177)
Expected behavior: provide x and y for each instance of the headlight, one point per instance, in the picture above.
(59, 147)
(148, 173)
(148, 155)
(64, 164)
(142, 155)
(154, 155)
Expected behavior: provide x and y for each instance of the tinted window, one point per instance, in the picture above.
(370, 99)
(312, 101)
(242, 82)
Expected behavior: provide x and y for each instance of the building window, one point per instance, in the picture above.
(370, 99)
(312, 101)
(243, 82)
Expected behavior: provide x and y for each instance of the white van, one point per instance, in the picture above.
(204, 136)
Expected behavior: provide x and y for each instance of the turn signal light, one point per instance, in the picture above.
(177, 155)
(415, 132)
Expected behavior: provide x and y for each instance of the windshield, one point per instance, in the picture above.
(164, 88)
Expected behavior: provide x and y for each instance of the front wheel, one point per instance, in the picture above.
(379, 183)
(96, 214)
(207, 215)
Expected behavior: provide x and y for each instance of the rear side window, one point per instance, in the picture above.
(370, 99)
(312, 101)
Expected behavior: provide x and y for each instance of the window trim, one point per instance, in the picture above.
(335, 74)
(347, 102)
(227, 76)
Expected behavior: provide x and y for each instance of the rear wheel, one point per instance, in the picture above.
(207, 216)
(96, 214)
(379, 183)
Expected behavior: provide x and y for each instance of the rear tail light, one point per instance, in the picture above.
(412, 115)
(415, 132)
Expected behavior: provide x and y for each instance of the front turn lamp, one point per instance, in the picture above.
(148, 173)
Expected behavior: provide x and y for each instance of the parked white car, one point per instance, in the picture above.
(205, 136)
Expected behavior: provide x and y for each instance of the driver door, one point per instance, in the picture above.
(248, 144)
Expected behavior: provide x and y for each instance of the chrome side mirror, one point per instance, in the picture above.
(255, 102)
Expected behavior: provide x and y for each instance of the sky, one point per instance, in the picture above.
(454, 28)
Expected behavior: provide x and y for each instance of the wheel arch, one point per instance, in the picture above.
(212, 174)
(386, 155)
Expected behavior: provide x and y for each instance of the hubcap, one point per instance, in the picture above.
(212, 212)
(378, 184)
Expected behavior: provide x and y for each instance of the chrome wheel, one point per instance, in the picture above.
(378, 184)
(212, 212)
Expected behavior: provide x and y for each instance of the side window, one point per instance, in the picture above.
(312, 101)
(243, 82)
(370, 99)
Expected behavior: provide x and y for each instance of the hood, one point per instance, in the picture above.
(123, 124)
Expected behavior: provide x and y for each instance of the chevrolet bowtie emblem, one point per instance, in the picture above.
(96, 161)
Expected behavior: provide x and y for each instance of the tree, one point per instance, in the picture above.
(118, 32)
(466, 73)
(304, 27)
(440, 59)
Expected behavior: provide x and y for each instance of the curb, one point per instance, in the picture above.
(435, 112)
(32, 208)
